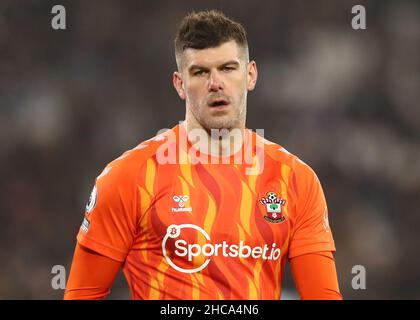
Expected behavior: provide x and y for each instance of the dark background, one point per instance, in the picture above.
(345, 101)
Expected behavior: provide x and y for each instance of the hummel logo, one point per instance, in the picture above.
(181, 200)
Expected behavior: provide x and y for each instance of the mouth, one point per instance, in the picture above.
(219, 103)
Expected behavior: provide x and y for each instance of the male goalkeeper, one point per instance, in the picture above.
(209, 209)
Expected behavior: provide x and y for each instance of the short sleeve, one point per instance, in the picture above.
(311, 231)
(110, 218)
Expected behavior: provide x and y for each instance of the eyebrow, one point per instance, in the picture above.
(196, 66)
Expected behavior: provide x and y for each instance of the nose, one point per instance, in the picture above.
(215, 82)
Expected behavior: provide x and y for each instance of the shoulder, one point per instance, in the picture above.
(302, 180)
(129, 164)
(281, 155)
(299, 175)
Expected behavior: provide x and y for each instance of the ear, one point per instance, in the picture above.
(179, 84)
(252, 75)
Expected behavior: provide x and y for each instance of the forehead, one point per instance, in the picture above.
(227, 51)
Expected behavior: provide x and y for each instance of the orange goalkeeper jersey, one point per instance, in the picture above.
(191, 227)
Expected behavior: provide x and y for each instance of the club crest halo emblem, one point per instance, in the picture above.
(274, 206)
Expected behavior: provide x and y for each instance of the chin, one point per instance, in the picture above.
(227, 124)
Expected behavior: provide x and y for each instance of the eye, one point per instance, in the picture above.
(228, 69)
(199, 72)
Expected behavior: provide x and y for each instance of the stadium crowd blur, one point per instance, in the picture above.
(345, 101)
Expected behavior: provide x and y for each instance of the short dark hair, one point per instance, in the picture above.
(208, 29)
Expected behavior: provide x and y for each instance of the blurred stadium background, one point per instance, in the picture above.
(345, 101)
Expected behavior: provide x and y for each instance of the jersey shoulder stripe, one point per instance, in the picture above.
(279, 154)
(282, 156)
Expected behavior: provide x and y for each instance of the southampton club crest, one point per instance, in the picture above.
(273, 206)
